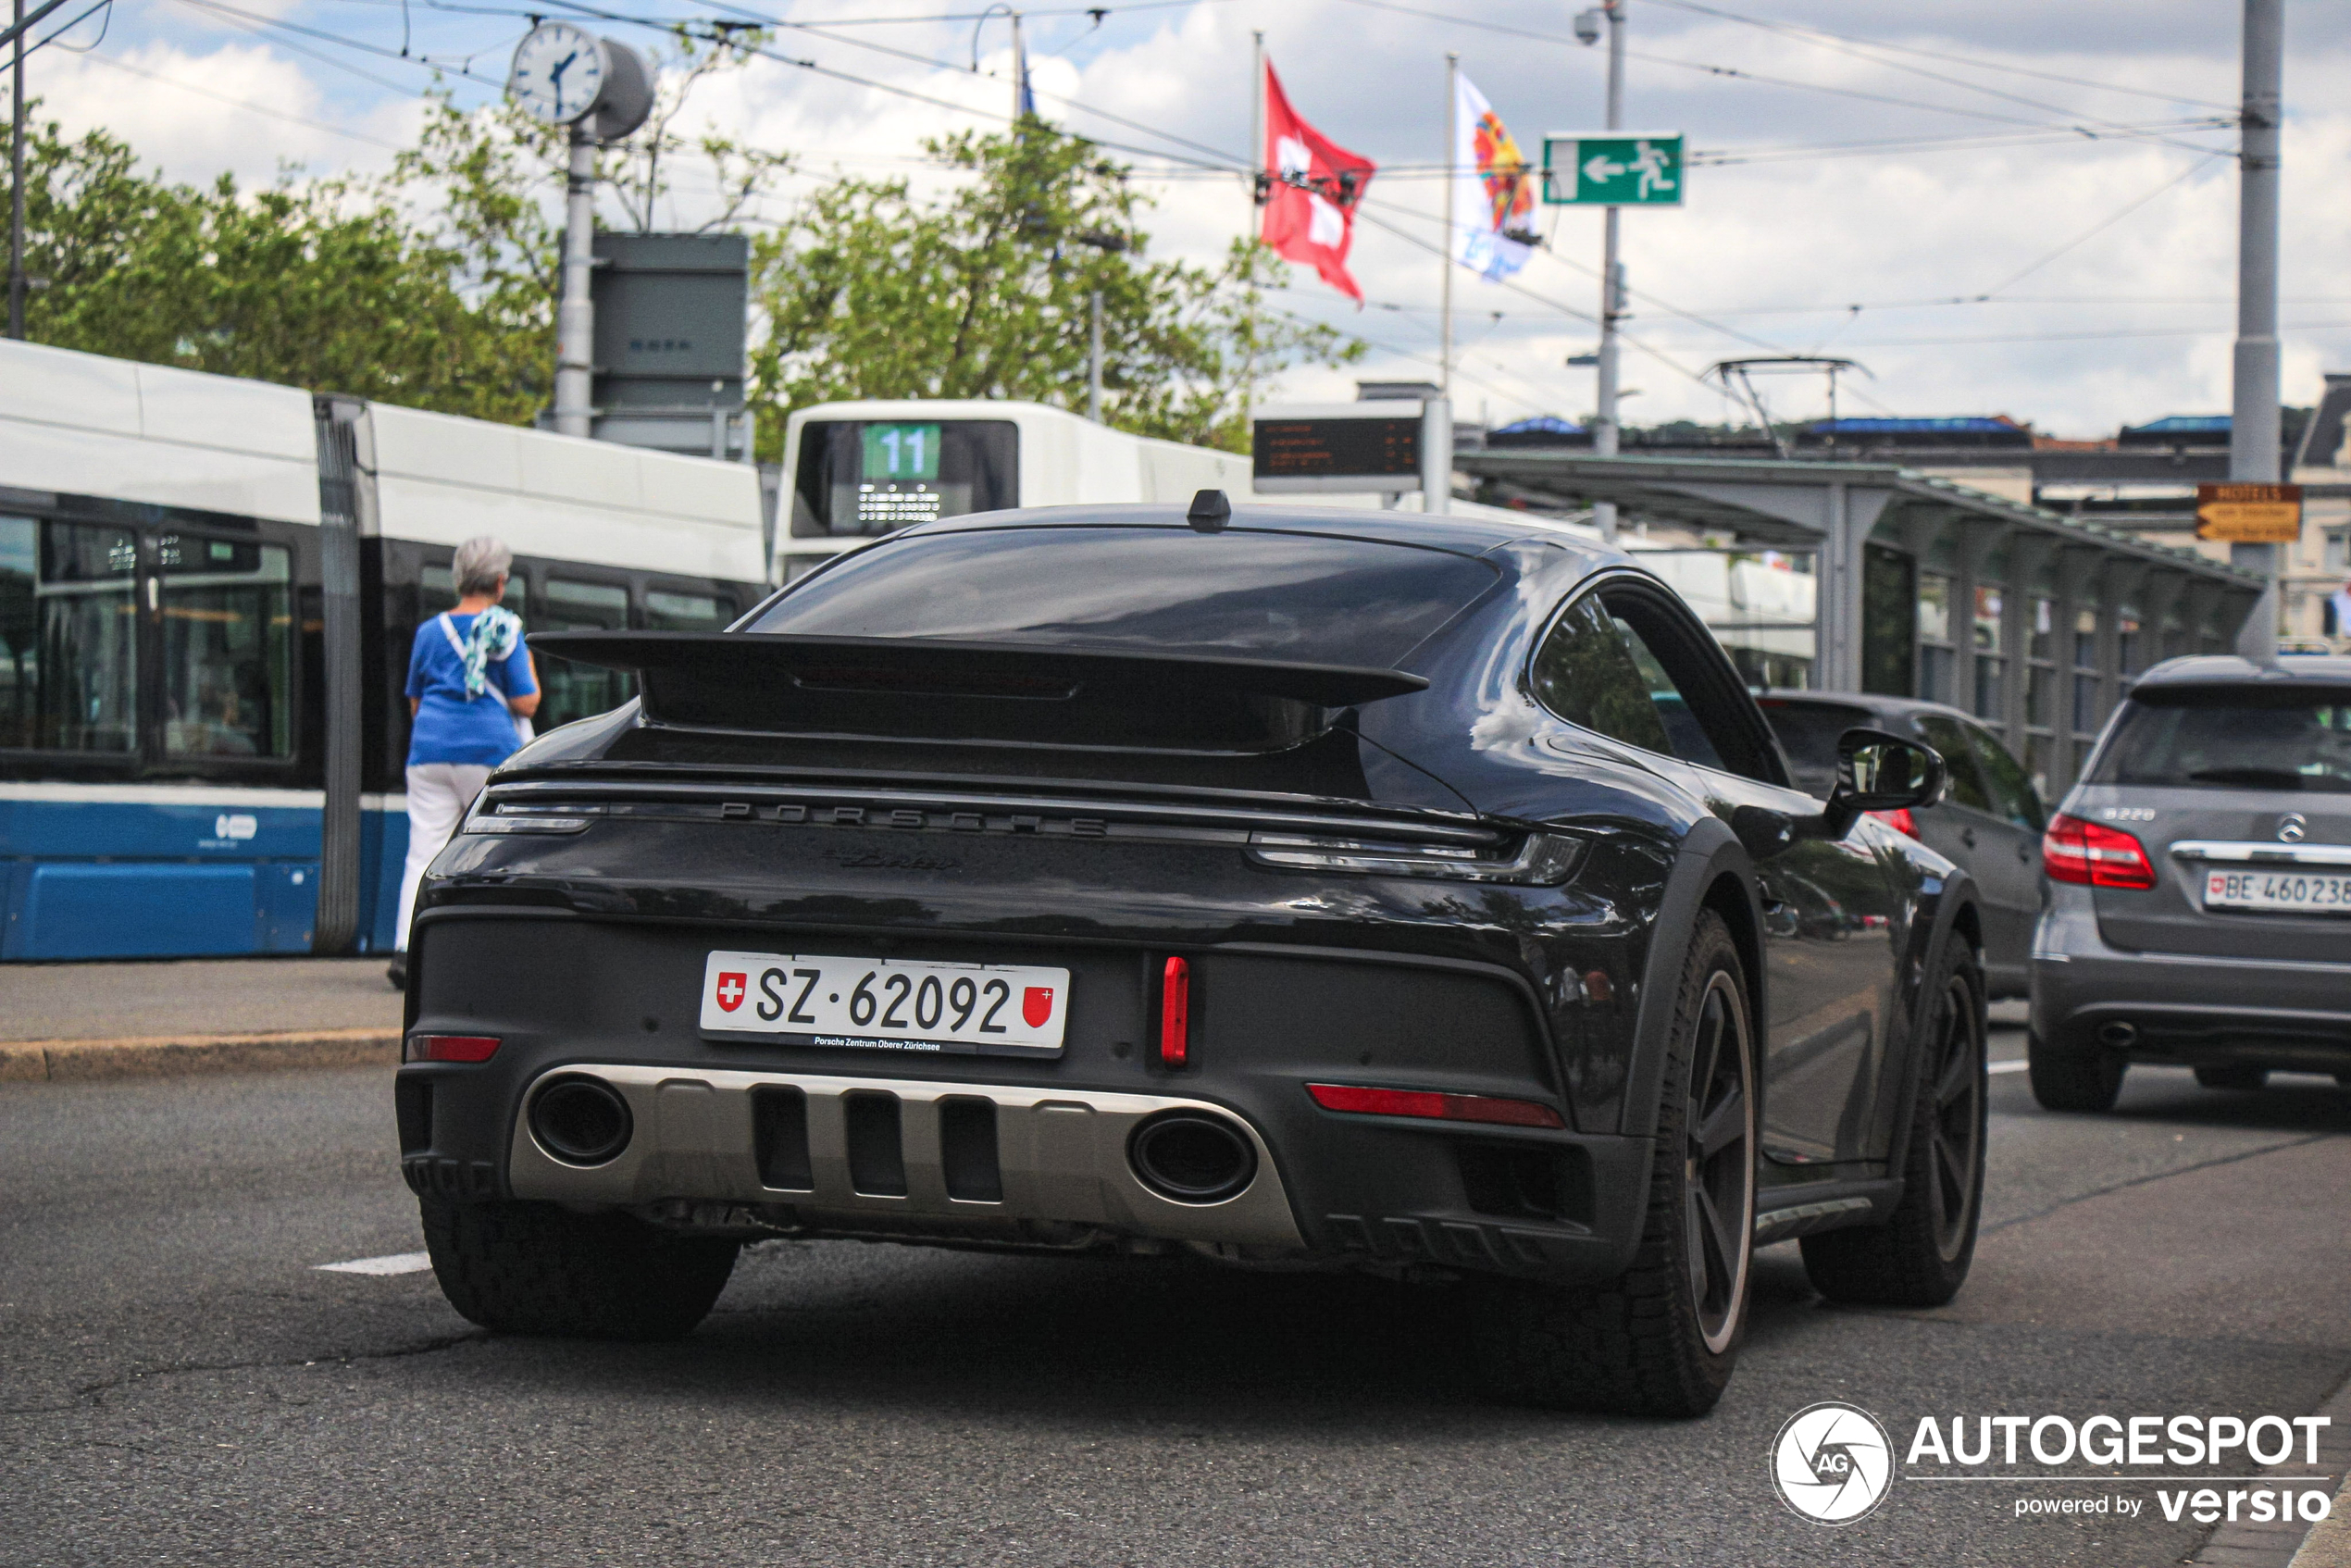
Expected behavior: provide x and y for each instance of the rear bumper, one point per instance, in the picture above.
(1030, 1163)
(2088, 995)
(730, 1136)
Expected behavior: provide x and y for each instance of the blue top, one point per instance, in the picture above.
(449, 727)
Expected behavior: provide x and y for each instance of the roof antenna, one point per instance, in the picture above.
(1210, 512)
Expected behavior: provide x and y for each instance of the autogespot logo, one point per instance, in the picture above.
(1833, 1462)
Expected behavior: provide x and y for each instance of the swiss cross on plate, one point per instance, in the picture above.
(730, 989)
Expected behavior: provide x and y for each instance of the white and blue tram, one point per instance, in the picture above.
(207, 589)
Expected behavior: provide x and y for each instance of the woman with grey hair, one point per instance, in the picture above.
(471, 687)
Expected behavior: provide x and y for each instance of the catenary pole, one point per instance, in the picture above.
(15, 180)
(2253, 420)
(1020, 73)
(1258, 162)
(1604, 423)
(576, 317)
(1445, 298)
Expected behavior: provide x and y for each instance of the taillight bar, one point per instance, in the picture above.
(451, 1048)
(1176, 1013)
(1435, 1107)
(2092, 855)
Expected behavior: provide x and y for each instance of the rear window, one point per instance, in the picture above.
(2233, 737)
(1296, 597)
(1807, 734)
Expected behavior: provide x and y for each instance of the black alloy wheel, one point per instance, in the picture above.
(1954, 1121)
(1718, 1131)
(1662, 1339)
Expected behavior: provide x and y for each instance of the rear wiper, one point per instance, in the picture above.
(2273, 778)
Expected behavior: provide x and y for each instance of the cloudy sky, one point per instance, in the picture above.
(1994, 207)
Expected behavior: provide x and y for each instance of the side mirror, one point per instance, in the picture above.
(1876, 771)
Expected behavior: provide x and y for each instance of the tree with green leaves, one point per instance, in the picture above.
(985, 291)
(320, 283)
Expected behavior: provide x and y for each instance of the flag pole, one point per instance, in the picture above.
(1452, 137)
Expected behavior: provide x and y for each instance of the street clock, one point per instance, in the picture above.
(558, 72)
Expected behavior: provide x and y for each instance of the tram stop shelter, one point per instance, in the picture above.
(1864, 577)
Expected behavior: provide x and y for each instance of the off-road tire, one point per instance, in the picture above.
(2069, 1081)
(1920, 1256)
(2231, 1077)
(1638, 1345)
(535, 1268)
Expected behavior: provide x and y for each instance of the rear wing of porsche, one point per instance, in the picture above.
(926, 690)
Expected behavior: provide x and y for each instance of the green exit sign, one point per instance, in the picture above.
(1616, 169)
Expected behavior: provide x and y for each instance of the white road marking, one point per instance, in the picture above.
(2005, 1066)
(398, 1263)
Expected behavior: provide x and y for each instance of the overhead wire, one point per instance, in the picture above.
(1730, 71)
(2094, 231)
(122, 65)
(1956, 59)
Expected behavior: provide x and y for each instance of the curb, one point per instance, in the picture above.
(85, 1061)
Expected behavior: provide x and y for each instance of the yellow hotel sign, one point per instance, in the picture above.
(2249, 514)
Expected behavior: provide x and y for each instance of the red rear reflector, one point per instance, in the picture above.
(1433, 1107)
(1176, 1013)
(1900, 820)
(2092, 855)
(451, 1048)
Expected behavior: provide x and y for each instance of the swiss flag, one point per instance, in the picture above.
(1311, 186)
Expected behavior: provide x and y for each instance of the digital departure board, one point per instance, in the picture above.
(1329, 451)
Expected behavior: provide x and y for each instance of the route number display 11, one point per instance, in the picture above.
(900, 452)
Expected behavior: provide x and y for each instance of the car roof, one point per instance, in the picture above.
(2228, 670)
(1789, 696)
(1461, 536)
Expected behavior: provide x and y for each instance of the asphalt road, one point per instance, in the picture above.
(179, 1384)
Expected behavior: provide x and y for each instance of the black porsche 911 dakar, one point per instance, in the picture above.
(1397, 892)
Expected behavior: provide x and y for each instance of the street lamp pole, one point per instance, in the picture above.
(2253, 422)
(16, 184)
(576, 315)
(1604, 426)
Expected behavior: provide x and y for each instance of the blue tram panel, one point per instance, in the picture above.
(166, 716)
(89, 880)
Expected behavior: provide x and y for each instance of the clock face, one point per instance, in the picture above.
(557, 72)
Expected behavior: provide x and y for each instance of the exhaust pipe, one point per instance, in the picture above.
(1191, 1157)
(581, 1121)
(2117, 1036)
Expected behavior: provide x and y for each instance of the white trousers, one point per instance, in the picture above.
(439, 795)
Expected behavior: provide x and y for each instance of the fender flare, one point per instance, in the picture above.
(1708, 852)
(1932, 929)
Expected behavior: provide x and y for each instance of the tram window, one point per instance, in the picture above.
(574, 691)
(228, 647)
(69, 630)
(683, 612)
(873, 477)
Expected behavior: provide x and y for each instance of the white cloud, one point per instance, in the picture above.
(1755, 238)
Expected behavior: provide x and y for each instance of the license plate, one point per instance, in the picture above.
(886, 1004)
(2316, 892)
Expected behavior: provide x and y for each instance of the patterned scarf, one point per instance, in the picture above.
(495, 632)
